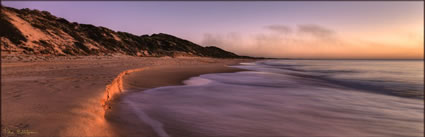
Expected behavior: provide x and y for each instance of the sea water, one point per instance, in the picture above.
(276, 98)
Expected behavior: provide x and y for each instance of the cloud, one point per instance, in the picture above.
(303, 31)
(278, 41)
(279, 28)
(212, 40)
(316, 31)
(218, 39)
(315, 41)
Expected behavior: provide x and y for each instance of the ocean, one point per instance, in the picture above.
(276, 98)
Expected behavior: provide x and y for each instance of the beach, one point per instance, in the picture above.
(193, 96)
(64, 96)
(212, 69)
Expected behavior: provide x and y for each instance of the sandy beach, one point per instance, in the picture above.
(212, 69)
(63, 96)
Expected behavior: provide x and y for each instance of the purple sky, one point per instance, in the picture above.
(276, 29)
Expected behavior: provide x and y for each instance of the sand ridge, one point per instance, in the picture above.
(116, 87)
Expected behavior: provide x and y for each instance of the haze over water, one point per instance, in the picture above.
(291, 98)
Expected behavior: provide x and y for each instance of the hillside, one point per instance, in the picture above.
(34, 32)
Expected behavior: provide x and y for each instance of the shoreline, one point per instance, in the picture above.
(121, 116)
(62, 96)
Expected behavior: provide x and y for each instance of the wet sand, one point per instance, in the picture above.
(62, 96)
(171, 75)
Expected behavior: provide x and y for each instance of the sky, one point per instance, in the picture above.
(281, 29)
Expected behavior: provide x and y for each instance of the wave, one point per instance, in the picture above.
(388, 86)
(271, 101)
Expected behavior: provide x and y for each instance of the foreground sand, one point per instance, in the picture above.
(63, 96)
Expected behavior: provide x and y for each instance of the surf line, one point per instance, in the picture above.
(115, 88)
(156, 125)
